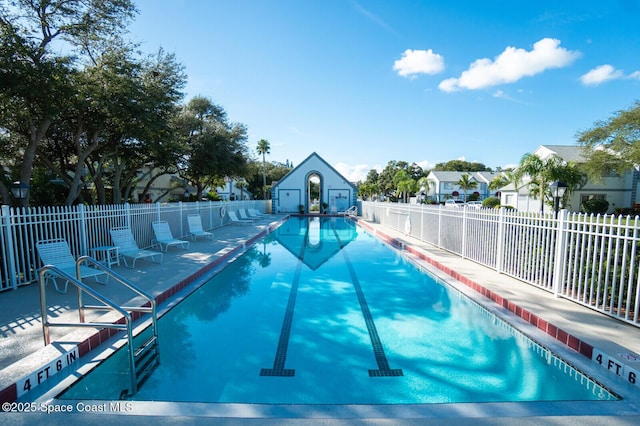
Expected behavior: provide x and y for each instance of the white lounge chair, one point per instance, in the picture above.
(56, 253)
(164, 237)
(244, 216)
(128, 248)
(234, 219)
(195, 227)
(254, 213)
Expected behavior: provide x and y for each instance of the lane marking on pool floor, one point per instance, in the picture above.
(378, 350)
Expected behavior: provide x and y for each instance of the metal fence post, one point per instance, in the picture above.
(500, 241)
(560, 253)
(127, 215)
(463, 253)
(439, 225)
(82, 229)
(9, 262)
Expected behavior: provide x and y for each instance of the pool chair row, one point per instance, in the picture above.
(245, 217)
(56, 252)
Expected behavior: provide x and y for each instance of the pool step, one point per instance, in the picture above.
(146, 359)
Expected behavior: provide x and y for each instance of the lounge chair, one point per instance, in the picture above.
(56, 253)
(234, 219)
(254, 213)
(128, 248)
(164, 237)
(195, 227)
(244, 216)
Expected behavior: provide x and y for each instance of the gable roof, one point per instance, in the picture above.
(443, 176)
(566, 152)
(306, 160)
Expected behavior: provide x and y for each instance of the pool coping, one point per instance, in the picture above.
(598, 356)
(572, 342)
(79, 343)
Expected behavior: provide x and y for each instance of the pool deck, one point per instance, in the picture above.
(586, 332)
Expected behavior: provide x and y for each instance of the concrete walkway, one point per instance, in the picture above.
(21, 345)
(20, 325)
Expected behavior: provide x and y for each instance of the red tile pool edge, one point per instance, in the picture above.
(10, 393)
(562, 336)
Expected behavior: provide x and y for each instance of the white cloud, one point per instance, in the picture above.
(500, 94)
(353, 173)
(635, 75)
(512, 65)
(418, 62)
(601, 74)
(426, 164)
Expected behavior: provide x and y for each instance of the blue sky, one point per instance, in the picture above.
(368, 81)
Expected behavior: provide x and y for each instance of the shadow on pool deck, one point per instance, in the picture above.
(21, 329)
(20, 325)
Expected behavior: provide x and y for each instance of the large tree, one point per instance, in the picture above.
(116, 125)
(35, 74)
(613, 145)
(216, 147)
(386, 180)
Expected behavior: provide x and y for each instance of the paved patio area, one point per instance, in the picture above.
(22, 347)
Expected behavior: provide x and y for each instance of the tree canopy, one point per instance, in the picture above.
(461, 166)
(85, 116)
(613, 145)
(39, 82)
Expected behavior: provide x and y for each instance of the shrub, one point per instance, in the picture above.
(213, 196)
(595, 206)
(491, 202)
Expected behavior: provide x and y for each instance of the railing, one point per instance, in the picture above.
(85, 227)
(127, 327)
(591, 259)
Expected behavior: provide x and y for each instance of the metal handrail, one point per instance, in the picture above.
(108, 305)
(351, 211)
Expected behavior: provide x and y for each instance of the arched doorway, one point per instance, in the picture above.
(313, 189)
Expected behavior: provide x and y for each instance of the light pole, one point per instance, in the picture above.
(20, 191)
(557, 189)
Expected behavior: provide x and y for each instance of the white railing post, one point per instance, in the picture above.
(422, 222)
(463, 251)
(82, 230)
(127, 214)
(500, 241)
(439, 225)
(158, 212)
(8, 241)
(560, 253)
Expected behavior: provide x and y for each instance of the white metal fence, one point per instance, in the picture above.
(85, 227)
(592, 260)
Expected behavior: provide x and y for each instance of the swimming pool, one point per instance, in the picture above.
(320, 312)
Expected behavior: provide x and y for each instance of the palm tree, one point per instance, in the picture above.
(543, 172)
(242, 184)
(404, 184)
(423, 186)
(264, 148)
(465, 183)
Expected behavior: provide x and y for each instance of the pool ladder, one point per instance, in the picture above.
(143, 359)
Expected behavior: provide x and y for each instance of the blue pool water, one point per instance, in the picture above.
(320, 312)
